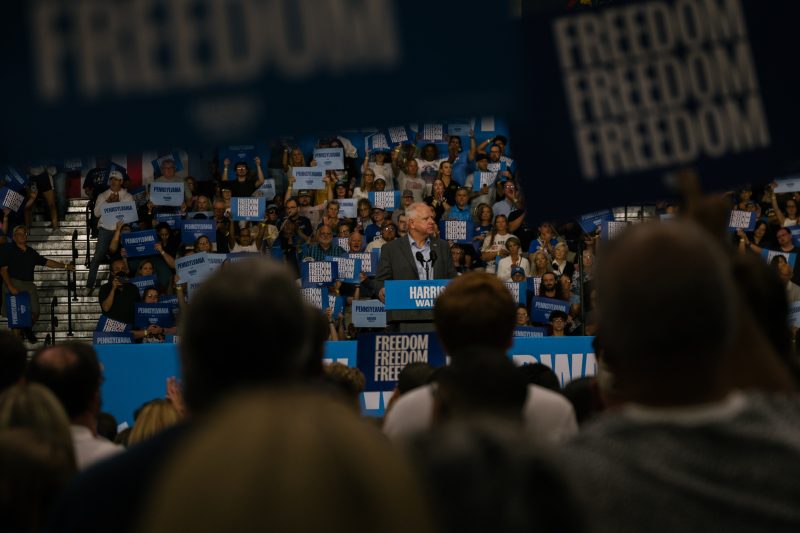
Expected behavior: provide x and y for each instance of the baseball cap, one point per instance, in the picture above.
(407, 192)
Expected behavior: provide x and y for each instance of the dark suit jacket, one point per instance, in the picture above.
(397, 262)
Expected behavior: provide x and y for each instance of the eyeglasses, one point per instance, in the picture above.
(326, 234)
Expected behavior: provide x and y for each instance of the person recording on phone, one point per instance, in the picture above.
(419, 255)
(118, 297)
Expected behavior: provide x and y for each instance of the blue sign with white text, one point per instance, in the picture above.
(144, 282)
(386, 200)
(591, 221)
(191, 230)
(251, 208)
(542, 307)
(530, 331)
(166, 194)
(569, 357)
(369, 314)
(316, 273)
(413, 294)
(193, 268)
(18, 310)
(139, 243)
(742, 220)
(348, 269)
(109, 325)
(459, 231)
(113, 212)
(157, 314)
(329, 158)
(312, 178)
(11, 199)
(316, 296)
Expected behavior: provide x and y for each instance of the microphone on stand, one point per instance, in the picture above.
(433, 259)
(422, 261)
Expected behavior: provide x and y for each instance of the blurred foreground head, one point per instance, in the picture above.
(287, 461)
(247, 326)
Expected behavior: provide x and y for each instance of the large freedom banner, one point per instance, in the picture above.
(633, 91)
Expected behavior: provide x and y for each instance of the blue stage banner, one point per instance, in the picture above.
(369, 261)
(139, 243)
(173, 220)
(518, 290)
(116, 211)
(237, 153)
(329, 158)
(143, 282)
(542, 307)
(398, 135)
(191, 230)
(369, 314)
(193, 268)
(569, 357)
(769, 255)
(316, 296)
(530, 331)
(591, 221)
(337, 304)
(387, 200)
(479, 179)
(18, 310)
(100, 337)
(166, 194)
(342, 352)
(459, 231)
(458, 129)
(348, 269)
(154, 315)
(413, 294)
(109, 325)
(267, 190)
(248, 208)
(11, 199)
(348, 207)
(744, 220)
(173, 156)
(14, 179)
(310, 178)
(139, 195)
(317, 273)
(784, 185)
(382, 356)
(432, 132)
(611, 228)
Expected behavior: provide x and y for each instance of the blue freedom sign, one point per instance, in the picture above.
(251, 208)
(369, 260)
(311, 178)
(109, 325)
(336, 304)
(18, 310)
(413, 294)
(387, 200)
(742, 220)
(157, 314)
(166, 194)
(369, 314)
(113, 212)
(541, 308)
(381, 357)
(11, 199)
(432, 132)
(569, 357)
(316, 296)
(316, 273)
(459, 231)
(591, 221)
(329, 158)
(611, 228)
(769, 255)
(144, 282)
(348, 269)
(191, 230)
(398, 135)
(139, 243)
(482, 179)
(518, 290)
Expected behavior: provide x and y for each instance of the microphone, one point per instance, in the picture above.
(433, 259)
(424, 264)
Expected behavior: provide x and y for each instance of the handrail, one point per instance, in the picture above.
(72, 283)
(89, 208)
(53, 319)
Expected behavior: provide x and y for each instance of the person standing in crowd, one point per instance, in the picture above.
(17, 264)
(408, 179)
(460, 210)
(118, 297)
(388, 234)
(97, 181)
(513, 260)
(106, 229)
(511, 206)
(324, 246)
(72, 372)
(243, 185)
(494, 245)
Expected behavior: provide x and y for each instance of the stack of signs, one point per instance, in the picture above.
(459, 231)
(166, 193)
(251, 208)
(742, 220)
(318, 273)
(191, 230)
(348, 269)
(329, 158)
(591, 221)
(11, 199)
(311, 178)
(139, 243)
(611, 228)
(386, 200)
(111, 213)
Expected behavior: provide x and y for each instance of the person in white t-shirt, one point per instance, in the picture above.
(409, 180)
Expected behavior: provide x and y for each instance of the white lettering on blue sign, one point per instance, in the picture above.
(319, 272)
(394, 352)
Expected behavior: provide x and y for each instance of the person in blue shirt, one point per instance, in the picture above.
(461, 210)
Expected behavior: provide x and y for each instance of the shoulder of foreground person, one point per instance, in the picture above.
(410, 414)
(549, 416)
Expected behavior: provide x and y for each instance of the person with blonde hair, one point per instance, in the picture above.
(154, 417)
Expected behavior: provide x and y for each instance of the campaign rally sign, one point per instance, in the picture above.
(369, 314)
(143, 282)
(398, 135)
(459, 129)
(166, 194)
(387, 200)
(342, 352)
(533, 284)
(191, 230)
(100, 337)
(795, 231)
(174, 157)
(459, 231)
(312, 178)
(744, 220)
(794, 314)
(336, 303)
(343, 243)
(369, 260)
(316, 296)
(173, 220)
(432, 132)
(18, 310)
(569, 357)
(530, 331)
(348, 269)
(139, 243)
(381, 357)
(139, 195)
(518, 290)
(235, 154)
(769, 255)
(241, 256)
(11, 199)
(251, 208)
(481, 179)
(193, 268)
(316, 273)
(158, 314)
(783, 185)
(266, 190)
(497, 166)
(591, 221)
(636, 90)
(611, 228)
(14, 179)
(377, 142)
(329, 158)
(109, 325)
(214, 260)
(113, 212)
(541, 308)
(348, 207)
(413, 294)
